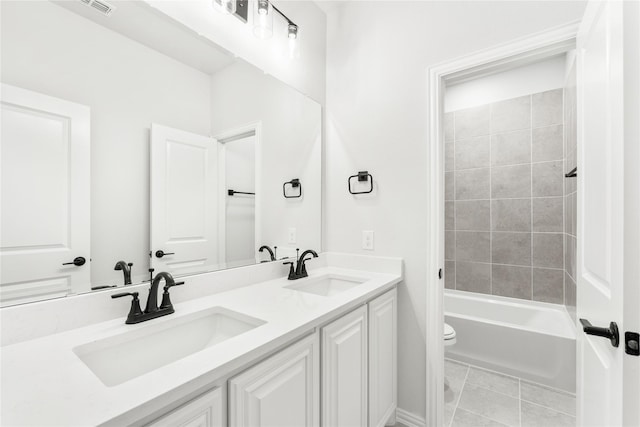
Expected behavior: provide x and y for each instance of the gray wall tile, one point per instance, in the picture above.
(547, 108)
(472, 122)
(511, 215)
(548, 285)
(472, 184)
(509, 281)
(511, 181)
(511, 148)
(450, 245)
(512, 114)
(547, 143)
(547, 214)
(449, 187)
(548, 179)
(473, 215)
(450, 274)
(570, 255)
(449, 150)
(473, 277)
(472, 153)
(449, 127)
(511, 248)
(449, 216)
(473, 246)
(548, 250)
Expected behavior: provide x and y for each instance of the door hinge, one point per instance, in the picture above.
(632, 343)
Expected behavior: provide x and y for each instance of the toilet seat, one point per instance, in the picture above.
(449, 335)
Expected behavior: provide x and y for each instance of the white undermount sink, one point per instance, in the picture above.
(326, 286)
(122, 357)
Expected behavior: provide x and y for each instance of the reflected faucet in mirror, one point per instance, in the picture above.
(272, 253)
(126, 270)
(136, 315)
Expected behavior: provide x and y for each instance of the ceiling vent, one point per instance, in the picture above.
(101, 6)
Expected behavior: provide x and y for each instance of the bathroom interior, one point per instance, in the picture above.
(234, 213)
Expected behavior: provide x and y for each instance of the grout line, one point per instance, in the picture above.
(550, 409)
(490, 200)
(520, 401)
(505, 198)
(455, 408)
(508, 165)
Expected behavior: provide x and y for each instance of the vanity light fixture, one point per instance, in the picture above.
(263, 21)
(227, 7)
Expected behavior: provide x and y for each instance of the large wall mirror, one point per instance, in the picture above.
(129, 139)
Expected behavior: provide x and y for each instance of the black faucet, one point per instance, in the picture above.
(272, 254)
(136, 315)
(126, 270)
(300, 269)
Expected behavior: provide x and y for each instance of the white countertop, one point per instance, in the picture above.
(44, 382)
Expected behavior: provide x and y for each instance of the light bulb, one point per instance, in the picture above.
(292, 31)
(263, 19)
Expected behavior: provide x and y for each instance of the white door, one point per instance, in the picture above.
(600, 212)
(344, 371)
(45, 197)
(282, 391)
(383, 359)
(204, 411)
(184, 194)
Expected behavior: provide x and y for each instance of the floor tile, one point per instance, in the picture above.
(494, 381)
(538, 416)
(497, 406)
(545, 396)
(464, 418)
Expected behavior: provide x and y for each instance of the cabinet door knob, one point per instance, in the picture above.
(161, 253)
(77, 261)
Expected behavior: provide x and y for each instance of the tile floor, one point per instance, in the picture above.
(476, 397)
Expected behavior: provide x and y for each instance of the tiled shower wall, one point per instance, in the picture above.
(570, 187)
(504, 198)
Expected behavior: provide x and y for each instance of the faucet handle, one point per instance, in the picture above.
(166, 299)
(135, 310)
(292, 273)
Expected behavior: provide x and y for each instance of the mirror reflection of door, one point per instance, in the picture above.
(184, 212)
(240, 201)
(44, 237)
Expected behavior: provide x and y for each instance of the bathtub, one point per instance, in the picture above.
(532, 340)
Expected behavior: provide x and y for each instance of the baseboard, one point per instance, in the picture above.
(408, 419)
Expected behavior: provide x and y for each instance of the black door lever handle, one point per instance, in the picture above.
(611, 332)
(161, 253)
(77, 261)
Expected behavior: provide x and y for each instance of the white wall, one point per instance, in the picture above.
(532, 78)
(306, 73)
(377, 59)
(48, 49)
(289, 148)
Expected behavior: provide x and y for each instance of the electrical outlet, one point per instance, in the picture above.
(367, 240)
(292, 236)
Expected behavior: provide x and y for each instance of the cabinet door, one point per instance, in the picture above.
(383, 314)
(203, 411)
(344, 371)
(282, 391)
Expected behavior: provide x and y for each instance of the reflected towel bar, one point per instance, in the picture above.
(232, 192)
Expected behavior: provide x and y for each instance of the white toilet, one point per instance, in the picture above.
(449, 335)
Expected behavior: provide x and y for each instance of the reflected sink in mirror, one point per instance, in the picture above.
(327, 286)
(122, 357)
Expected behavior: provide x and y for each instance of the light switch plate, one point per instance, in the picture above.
(367, 240)
(292, 236)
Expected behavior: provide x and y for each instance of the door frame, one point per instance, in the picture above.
(222, 138)
(506, 56)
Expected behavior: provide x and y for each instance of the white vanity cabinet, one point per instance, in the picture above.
(203, 411)
(282, 390)
(344, 370)
(383, 359)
